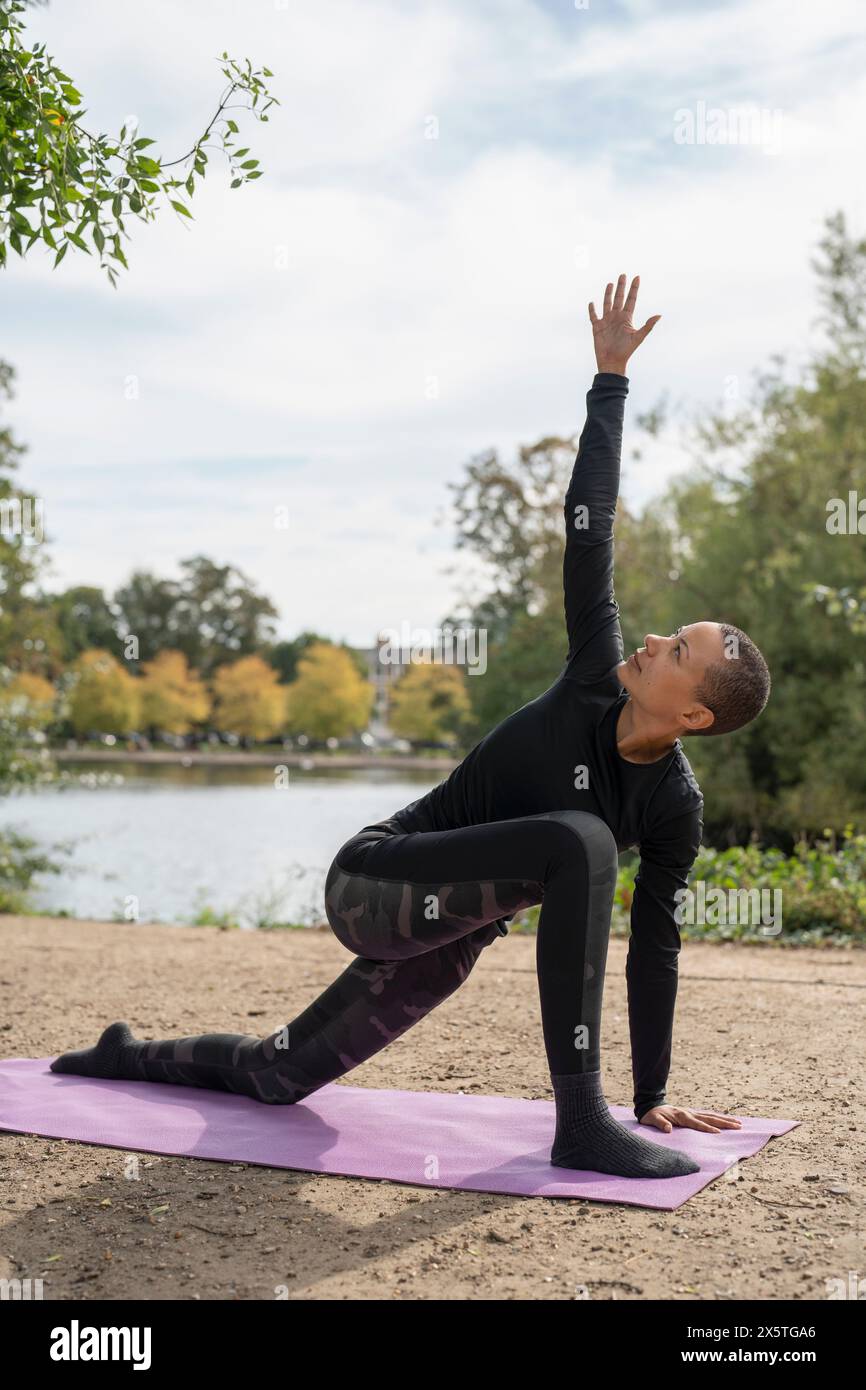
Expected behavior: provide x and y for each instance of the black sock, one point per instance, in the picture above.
(113, 1057)
(588, 1136)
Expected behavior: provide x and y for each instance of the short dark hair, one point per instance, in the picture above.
(736, 688)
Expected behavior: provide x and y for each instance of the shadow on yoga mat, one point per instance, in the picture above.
(428, 1139)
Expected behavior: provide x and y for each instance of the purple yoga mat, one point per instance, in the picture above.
(428, 1139)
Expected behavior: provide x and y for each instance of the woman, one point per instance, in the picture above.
(534, 814)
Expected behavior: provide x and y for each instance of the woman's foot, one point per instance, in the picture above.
(588, 1137)
(111, 1058)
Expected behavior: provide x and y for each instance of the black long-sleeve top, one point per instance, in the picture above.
(527, 764)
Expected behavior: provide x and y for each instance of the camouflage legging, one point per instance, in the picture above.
(417, 909)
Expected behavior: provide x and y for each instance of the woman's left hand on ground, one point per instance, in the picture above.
(668, 1117)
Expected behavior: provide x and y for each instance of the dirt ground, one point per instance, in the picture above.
(760, 1030)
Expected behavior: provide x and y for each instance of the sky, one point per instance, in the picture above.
(290, 382)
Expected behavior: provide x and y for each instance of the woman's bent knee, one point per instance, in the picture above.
(364, 920)
(585, 838)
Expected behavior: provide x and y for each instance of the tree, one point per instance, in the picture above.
(104, 698)
(24, 639)
(510, 517)
(753, 523)
(60, 183)
(172, 697)
(212, 614)
(524, 662)
(146, 607)
(28, 633)
(330, 698)
(250, 701)
(429, 703)
(24, 761)
(29, 636)
(84, 619)
(284, 656)
(29, 699)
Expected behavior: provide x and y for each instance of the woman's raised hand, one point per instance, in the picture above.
(615, 336)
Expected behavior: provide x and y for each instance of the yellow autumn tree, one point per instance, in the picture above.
(249, 699)
(29, 698)
(104, 698)
(330, 698)
(173, 698)
(430, 703)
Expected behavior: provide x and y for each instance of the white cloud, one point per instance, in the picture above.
(755, 41)
(468, 259)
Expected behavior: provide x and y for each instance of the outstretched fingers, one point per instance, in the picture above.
(608, 299)
(619, 297)
(593, 316)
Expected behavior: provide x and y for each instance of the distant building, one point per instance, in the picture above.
(382, 675)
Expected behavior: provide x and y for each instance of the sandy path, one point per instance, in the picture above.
(760, 1030)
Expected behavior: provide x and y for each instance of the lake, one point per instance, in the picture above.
(170, 841)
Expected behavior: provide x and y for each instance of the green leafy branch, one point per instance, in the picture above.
(848, 603)
(62, 186)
